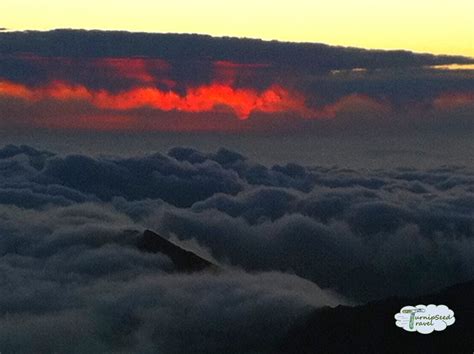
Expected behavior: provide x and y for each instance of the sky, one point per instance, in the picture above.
(433, 26)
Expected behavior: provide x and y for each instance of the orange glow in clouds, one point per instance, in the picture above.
(139, 69)
(205, 98)
(454, 100)
(149, 83)
(152, 86)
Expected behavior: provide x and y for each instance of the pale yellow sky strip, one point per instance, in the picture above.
(435, 26)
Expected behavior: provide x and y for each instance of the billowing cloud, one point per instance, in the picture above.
(289, 239)
(320, 219)
(75, 263)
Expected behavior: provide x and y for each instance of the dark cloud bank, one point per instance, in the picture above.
(290, 238)
(84, 44)
(347, 83)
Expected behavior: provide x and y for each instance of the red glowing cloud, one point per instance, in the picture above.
(144, 93)
(356, 103)
(123, 84)
(226, 72)
(206, 98)
(454, 100)
(136, 68)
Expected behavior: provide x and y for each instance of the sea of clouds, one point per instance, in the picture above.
(289, 239)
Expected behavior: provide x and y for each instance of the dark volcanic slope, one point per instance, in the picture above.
(371, 328)
(183, 260)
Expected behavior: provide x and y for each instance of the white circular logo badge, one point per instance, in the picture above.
(424, 319)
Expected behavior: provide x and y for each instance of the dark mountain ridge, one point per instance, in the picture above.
(184, 261)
